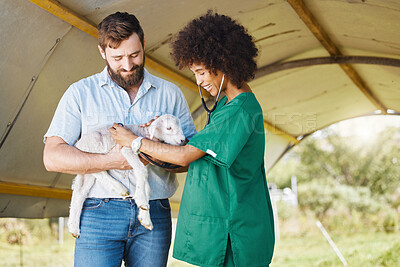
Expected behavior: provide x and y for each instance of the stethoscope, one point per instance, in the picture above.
(209, 111)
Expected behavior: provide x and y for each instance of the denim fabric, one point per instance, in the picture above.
(111, 232)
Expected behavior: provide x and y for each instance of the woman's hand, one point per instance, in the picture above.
(122, 135)
(147, 124)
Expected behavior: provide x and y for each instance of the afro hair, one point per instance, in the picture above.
(219, 43)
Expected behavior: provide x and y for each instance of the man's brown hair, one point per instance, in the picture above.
(118, 27)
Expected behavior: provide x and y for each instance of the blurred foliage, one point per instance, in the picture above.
(332, 195)
(14, 231)
(28, 231)
(391, 221)
(301, 243)
(375, 165)
(33, 242)
(345, 181)
(390, 257)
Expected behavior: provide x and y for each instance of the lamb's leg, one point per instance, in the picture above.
(109, 182)
(142, 196)
(81, 187)
(99, 142)
(144, 213)
(142, 190)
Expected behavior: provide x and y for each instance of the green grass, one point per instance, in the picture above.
(299, 245)
(359, 249)
(38, 253)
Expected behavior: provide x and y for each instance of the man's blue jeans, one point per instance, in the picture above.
(111, 232)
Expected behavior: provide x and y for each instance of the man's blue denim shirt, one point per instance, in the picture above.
(97, 101)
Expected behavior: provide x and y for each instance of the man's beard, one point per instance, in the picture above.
(129, 81)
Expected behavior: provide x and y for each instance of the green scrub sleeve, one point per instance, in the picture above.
(225, 136)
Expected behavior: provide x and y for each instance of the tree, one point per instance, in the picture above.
(375, 165)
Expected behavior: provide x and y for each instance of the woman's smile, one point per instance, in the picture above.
(208, 88)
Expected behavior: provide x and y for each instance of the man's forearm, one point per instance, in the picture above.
(58, 156)
(67, 159)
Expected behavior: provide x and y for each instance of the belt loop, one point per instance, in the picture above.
(133, 203)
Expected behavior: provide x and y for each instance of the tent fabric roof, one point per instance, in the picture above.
(42, 54)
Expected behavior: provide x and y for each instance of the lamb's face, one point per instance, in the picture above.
(168, 129)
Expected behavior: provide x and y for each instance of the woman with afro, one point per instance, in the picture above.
(225, 217)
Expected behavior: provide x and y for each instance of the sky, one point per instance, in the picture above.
(366, 128)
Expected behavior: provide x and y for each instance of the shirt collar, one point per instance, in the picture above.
(148, 80)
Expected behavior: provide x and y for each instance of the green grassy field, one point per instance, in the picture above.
(294, 248)
(38, 254)
(361, 249)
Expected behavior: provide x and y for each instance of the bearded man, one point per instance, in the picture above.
(123, 92)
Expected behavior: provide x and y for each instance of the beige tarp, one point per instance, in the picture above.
(42, 54)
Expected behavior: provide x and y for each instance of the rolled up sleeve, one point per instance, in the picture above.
(67, 120)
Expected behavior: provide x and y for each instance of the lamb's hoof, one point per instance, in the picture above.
(147, 225)
(74, 230)
(121, 191)
(76, 235)
(144, 218)
(125, 194)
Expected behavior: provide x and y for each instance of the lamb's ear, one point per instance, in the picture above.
(152, 130)
(154, 127)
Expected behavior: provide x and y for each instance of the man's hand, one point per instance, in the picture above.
(122, 135)
(116, 155)
(118, 159)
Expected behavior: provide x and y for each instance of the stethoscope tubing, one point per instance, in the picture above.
(209, 111)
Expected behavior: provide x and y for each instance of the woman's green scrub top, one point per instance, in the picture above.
(226, 192)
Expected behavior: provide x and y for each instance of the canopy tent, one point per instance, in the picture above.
(320, 62)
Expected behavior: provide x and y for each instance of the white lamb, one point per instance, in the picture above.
(166, 128)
